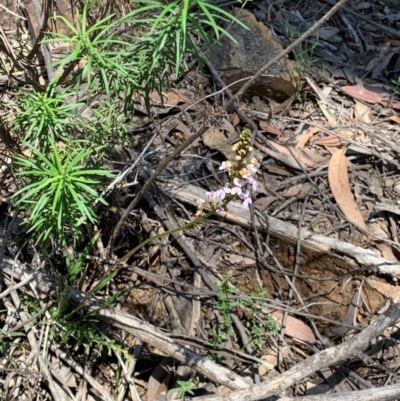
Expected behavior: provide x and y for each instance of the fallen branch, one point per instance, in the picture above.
(316, 243)
(46, 284)
(386, 393)
(328, 357)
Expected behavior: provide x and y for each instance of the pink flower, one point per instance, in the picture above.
(254, 184)
(220, 194)
(237, 189)
(227, 189)
(245, 196)
(210, 195)
(251, 167)
(248, 171)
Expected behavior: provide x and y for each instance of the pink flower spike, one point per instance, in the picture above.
(237, 189)
(244, 172)
(246, 198)
(220, 210)
(201, 202)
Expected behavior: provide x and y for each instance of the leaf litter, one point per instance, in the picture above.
(317, 155)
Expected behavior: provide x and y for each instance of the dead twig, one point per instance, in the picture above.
(105, 395)
(384, 28)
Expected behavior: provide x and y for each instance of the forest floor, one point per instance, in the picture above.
(280, 299)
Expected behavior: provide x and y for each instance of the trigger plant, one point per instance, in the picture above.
(241, 178)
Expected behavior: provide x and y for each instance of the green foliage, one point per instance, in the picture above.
(112, 61)
(305, 59)
(44, 116)
(58, 188)
(5, 338)
(75, 262)
(82, 334)
(58, 192)
(396, 83)
(223, 328)
(184, 388)
(99, 55)
(79, 331)
(225, 305)
(260, 325)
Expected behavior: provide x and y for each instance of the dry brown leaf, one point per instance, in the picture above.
(306, 137)
(292, 191)
(235, 120)
(182, 97)
(270, 358)
(388, 290)
(362, 112)
(295, 328)
(277, 107)
(330, 140)
(63, 371)
(238, 259)
(380, 228)
(181, 127)
(340, 186)
(297, 153)
(159, 380)
(215, 139)
(272, 129)
(395, 118)
(169, 99)
(226, 126)
(359, 92)
(387, 251)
